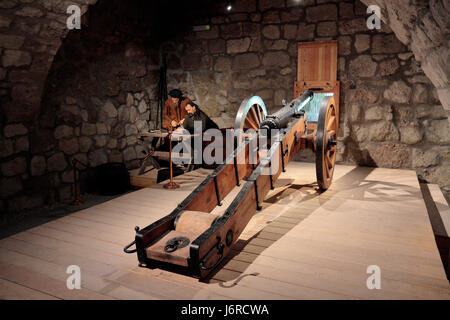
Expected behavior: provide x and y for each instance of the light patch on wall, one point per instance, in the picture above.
(205, 27)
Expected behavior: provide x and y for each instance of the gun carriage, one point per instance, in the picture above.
(193, 240)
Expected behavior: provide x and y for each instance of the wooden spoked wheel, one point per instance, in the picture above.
(326, 140)
(249, 116)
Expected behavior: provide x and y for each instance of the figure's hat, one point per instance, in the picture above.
(175, 93)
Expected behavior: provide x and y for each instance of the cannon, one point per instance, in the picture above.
(191, 239)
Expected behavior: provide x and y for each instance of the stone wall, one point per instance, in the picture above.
(391, 115)
(425, 26)
(100, 90)
(30, 36)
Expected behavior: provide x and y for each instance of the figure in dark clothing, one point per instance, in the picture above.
(195, 114)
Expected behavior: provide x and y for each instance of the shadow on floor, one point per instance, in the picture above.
(352, 186)
(45, 215)
(440, 233)
(245, 252)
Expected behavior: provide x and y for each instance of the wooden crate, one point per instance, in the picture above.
(317, 68)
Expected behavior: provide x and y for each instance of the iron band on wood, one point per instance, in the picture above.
(236, 171)
(216, 187)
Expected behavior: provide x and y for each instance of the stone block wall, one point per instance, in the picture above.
(101, 89)
(425, 26)
(30, 35)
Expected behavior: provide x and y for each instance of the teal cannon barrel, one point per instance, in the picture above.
(281, 118)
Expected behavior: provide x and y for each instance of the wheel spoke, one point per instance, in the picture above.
(333, 156)
(259, 114)
(331, 123)
(327, 170)
(331, 133)
(329, 163)
(251, 123)
(254, 115)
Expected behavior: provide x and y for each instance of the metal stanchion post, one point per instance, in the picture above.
(171, 185)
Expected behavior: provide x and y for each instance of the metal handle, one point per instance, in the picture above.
(127, 246)
(220, 247)
(130, 251)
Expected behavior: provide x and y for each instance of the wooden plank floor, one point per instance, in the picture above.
(302, 245)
